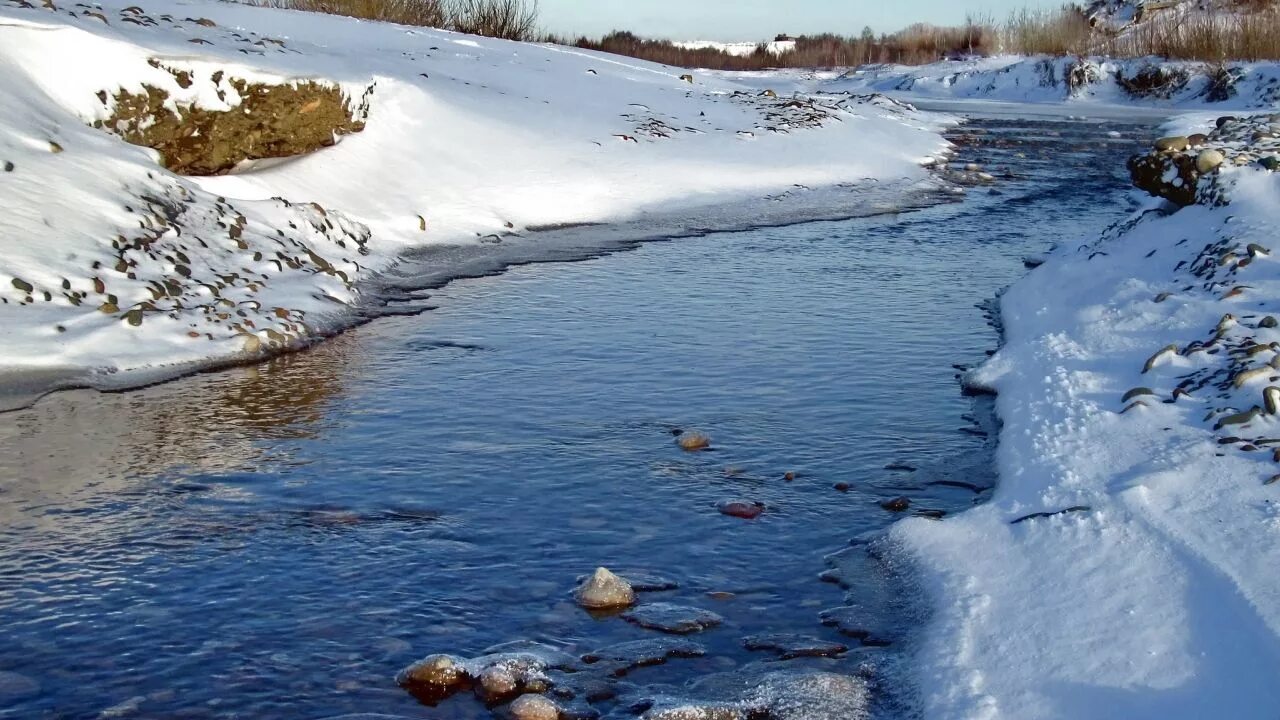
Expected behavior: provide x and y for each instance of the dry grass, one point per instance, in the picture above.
(1209, 37)
(509, 19)
(1064, 31)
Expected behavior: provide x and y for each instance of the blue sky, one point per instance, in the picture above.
(759, 19)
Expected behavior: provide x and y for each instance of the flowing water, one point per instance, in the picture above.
(278, 541)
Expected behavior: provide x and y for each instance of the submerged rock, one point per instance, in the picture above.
(621, 658)
(671, 618)
(604, 590)
(742, 509)
(898, 504)
(789, 646)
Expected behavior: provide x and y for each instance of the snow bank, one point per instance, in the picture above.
(109, 263)
(1126, 564)
(1092, 81)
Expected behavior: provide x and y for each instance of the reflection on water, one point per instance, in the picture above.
(278, 541)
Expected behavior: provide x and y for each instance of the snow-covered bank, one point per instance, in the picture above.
(1126, 566)
(1089, 81)
(111, 263)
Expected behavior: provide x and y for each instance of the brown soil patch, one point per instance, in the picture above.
(271, 121)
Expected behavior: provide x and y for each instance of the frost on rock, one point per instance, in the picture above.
(503, 672)
(798, 695)
(604, 590)
(671, 618)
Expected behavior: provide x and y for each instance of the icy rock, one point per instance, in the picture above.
(777, 696)
(604, 590)
(443, 671)
(789, 646)
(534, 707)
(671, 618)
(643, 653)
(496, 682)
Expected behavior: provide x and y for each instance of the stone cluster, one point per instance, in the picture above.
(1185, 168)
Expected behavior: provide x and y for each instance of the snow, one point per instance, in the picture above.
(467, 139)
(1045, 80)
(1161, 599)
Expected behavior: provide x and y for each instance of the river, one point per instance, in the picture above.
(279, 540)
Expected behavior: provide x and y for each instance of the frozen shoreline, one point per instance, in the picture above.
(143, 274)
(1125, 566)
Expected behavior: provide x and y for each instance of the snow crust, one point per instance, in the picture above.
(1144, 584)
(467, 139)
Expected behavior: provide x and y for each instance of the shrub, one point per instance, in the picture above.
(509, 19)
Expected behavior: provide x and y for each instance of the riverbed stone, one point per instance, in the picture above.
(744, 509)
(693, 441)
(1208, 160)
(604, 590)
(1173, 143)
(534, 707)
(621, 658)
(672, 618)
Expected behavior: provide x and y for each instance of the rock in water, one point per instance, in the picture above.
(671, 618)
(742, 509)
(439, 670)
(534, 707)
(604, 590)
(692, 441)
(496, 682)
(1175, 143)
(899, 504)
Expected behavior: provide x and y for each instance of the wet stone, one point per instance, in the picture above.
(789, 646)
(604, 590)
(672, 618)
(534, 707)
(898, 504)
(742, 509)
(623, 657)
